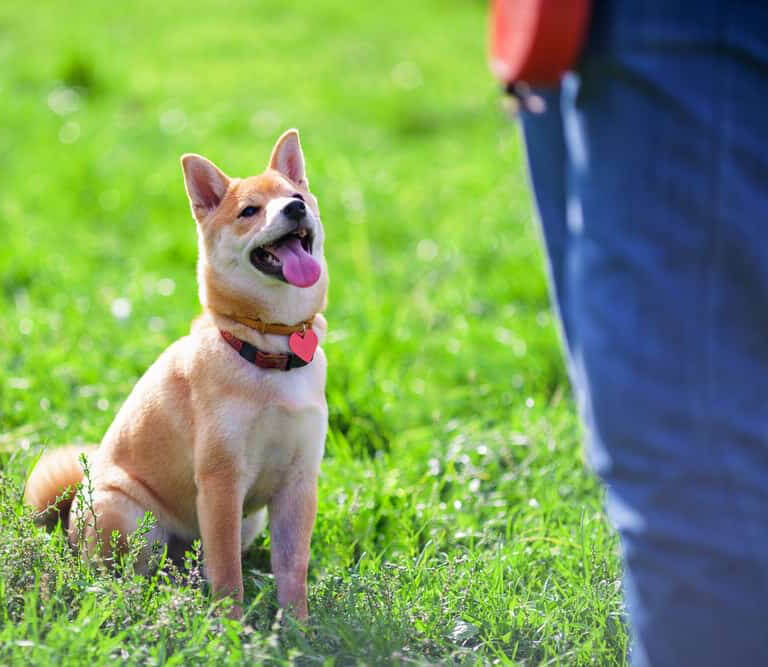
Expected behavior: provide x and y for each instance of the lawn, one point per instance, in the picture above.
(456, 520)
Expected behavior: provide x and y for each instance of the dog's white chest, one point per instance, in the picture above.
(277, 432)
(284, 444)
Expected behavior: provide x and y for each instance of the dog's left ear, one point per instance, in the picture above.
(288, 159)
(206, 184)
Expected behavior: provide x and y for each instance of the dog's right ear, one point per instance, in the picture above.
(206, 184)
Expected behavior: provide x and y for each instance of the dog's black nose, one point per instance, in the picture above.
(295, 210)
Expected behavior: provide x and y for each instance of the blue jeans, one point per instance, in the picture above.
(650, 171)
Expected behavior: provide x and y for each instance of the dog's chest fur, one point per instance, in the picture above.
(278, 428)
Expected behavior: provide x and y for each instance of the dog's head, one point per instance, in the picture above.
(260, 238)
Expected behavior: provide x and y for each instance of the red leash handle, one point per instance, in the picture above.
(536, 41)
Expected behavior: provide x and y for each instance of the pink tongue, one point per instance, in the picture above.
(299, 267)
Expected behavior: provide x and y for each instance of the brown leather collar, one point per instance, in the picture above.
(273, 327)
(283, 361)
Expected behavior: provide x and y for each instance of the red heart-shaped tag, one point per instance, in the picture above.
(303, 346)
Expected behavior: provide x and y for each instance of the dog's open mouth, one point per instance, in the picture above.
(289, 258)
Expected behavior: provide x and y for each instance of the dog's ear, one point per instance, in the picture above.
(206, 184)
(288, 159)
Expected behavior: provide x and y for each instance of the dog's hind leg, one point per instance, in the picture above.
(100, 530)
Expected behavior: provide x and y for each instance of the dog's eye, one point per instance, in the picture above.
(296, 195)
(248, 211)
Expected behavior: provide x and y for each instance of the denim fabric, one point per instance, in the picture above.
(650, 172)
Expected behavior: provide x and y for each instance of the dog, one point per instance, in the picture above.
(230, 422)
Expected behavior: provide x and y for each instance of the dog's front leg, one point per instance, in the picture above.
(291, 519)
(219, 513)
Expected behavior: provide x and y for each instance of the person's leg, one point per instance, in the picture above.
(547, 169)
(667, 287)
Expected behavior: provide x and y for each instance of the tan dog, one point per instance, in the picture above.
(230, 420)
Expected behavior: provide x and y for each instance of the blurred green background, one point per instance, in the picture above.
(453, 493)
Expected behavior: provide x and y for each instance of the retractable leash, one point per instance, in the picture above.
(532, 44)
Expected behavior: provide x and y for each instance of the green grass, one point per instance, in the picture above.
(456, 520)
